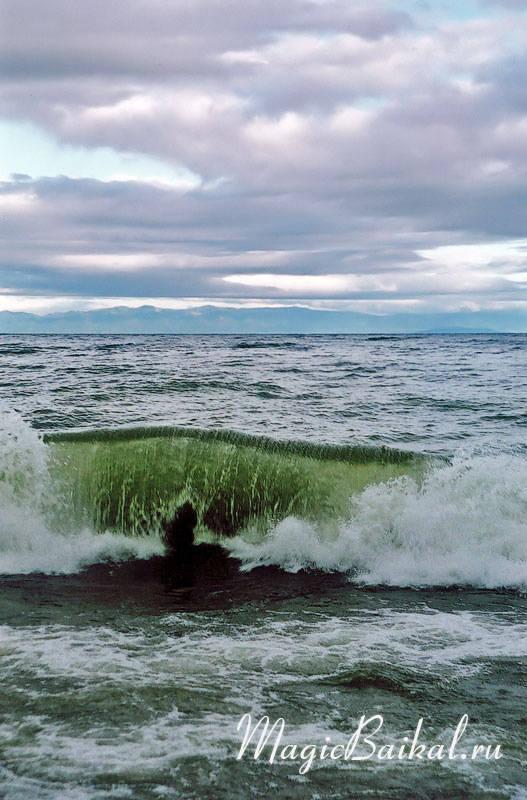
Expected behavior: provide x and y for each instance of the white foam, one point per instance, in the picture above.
(33, 534)
(465, 524)
(211, 646)
(228, 667)
(231, 668)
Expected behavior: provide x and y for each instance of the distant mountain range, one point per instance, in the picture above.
(294, 319)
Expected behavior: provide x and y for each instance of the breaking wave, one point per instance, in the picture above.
(381, 516)
(464, 524)
(38, 533)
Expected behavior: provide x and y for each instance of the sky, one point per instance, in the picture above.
(331, 154)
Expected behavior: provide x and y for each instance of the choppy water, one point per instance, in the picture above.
(372, 488)
(426, 393)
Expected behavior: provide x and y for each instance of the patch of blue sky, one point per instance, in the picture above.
(29, 150)
(443, 9)
(371, 102)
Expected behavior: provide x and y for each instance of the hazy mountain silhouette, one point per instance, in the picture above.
(294, 319)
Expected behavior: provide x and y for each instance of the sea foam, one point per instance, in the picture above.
(36, 533)
(464, 524)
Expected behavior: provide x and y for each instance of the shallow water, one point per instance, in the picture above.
(371, 582)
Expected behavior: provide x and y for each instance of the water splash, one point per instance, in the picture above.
(464, 524)
(37, 529)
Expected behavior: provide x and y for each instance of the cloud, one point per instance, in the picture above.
(502, 256)
(306, 150)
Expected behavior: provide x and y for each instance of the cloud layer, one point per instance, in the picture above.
(317, 150)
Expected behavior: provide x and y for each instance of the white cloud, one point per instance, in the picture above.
(417, 282)
(17, 202)
(109, 261)
(504, 255)
(312, 284)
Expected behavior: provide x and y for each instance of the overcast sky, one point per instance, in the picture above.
(329, 153)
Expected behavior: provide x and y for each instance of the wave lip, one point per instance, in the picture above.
(350, 453)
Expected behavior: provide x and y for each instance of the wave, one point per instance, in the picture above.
(129, 480)
(20, 350)
(387, 337)
(269, 345)
(75, 497)
(464, 524)
(384, 517)
(353, 454)
(38, 533)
